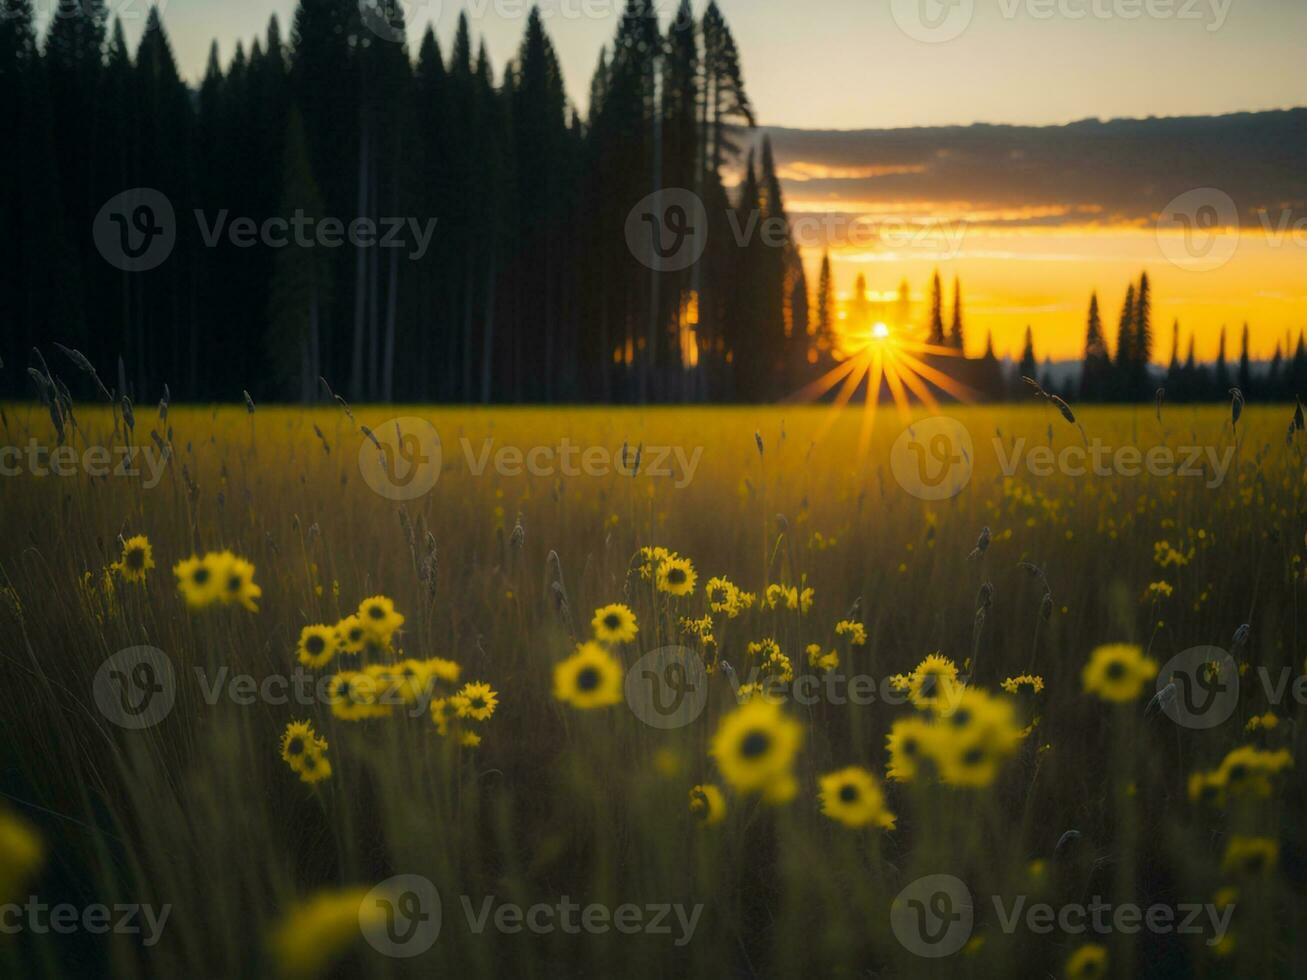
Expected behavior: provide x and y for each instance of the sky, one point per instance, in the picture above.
(1016, 61)
(875, 65)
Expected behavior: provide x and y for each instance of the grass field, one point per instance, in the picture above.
(576, 792)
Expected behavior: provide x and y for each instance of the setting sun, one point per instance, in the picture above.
(879, 332)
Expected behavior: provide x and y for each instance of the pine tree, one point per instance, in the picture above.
(1221, 370)
(1245, 365)
(1141, 344)
(955, 336)
(301, 280)
(1125, 347)
(935, 337)
(825, 321)
(1298, 371)
(1028, 366)
(859, 305)
(989, 373)
(1095, 375)
(1275, 388)
(1174, 371)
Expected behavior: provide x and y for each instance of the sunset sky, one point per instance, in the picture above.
(855, 65)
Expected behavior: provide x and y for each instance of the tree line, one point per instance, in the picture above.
(1126, 372)
(528, 291)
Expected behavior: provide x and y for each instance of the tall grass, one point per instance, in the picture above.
(200, 813)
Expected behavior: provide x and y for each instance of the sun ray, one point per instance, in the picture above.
(870, 403)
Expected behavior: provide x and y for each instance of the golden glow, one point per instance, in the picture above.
(877, 362)
(1043, 277)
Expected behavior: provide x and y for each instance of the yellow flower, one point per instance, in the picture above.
(910, 741)
(615, 624)
(355, 695)
(1024, 684)
(237, 580)
(1207, 787)
(350, 634)
(934, 681)
(1089, 962)
(479, 701)
(200, 579)
(590, 678)
(442, 669)
(755, 746)
(1267, 722)
(444, 712)
(1248, 771)
(854, 798)
(137, 558)
(1250, 856)
(824, 662)
(317, 646)
(676, 577)
(708, 804)
(651, 558)
(379, 619)
(855, 631)
(973, 714)
(314, 767)
(317, 931)
(21, 854)
(1160, 590)
(967, 759)
(777, 666)
(1118, 672)
(723, 596)
(469, 740)
(296, 743)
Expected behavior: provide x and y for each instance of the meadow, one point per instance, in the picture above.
(868, 688)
